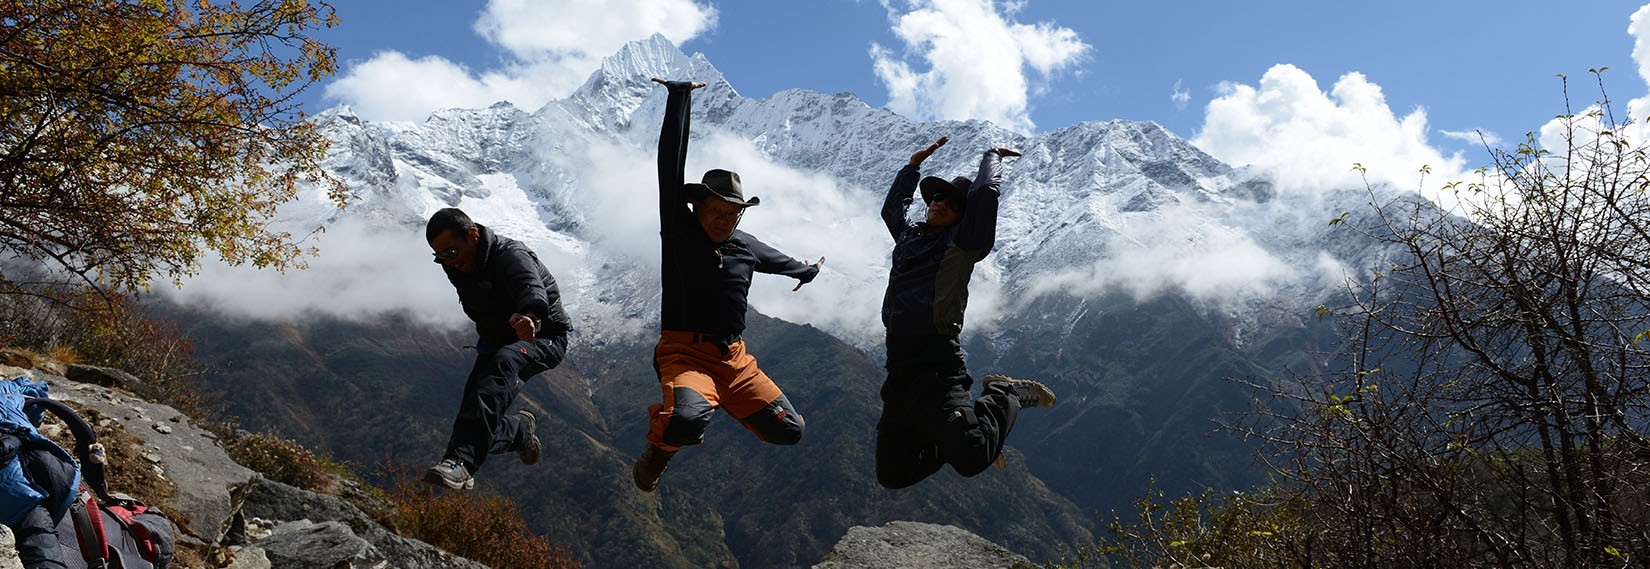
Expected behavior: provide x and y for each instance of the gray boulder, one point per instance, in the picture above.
(8, 550)
(271, 501)
(913, 545)
(326, 545)
(189, 456)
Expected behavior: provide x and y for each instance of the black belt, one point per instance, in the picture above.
(723, 340)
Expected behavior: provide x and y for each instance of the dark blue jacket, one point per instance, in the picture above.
(509, 279)
(704, 283)
(928, 282)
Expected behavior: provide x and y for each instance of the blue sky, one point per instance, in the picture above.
(1464, 65)
(1470, 65)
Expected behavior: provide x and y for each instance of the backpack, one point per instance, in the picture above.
(93, 528)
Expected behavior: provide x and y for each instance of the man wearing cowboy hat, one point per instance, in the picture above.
(928, 419)
(707, 269)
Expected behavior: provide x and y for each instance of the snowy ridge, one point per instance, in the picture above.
(1090, 208)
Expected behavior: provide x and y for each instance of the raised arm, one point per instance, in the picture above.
(905, 184)
(673, 145)
(977, 232)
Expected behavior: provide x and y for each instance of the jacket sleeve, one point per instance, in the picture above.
(519, 267)
(899, 199)
(977, 232)
(771, 261)
(673, 145)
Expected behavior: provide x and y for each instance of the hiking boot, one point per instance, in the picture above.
(1030, 393)
(450, 473)
(530, 448)
(651, 466)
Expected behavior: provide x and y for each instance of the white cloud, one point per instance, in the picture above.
(1179, 96)
(976, 58)
(360, 271)
(1207, 262)
(1639, 108)
(1476, 137)
(1309, 140)
(549, 48)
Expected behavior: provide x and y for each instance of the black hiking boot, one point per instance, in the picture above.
(530, 449)
(450, 473)
(651, 466)
(1030, 393)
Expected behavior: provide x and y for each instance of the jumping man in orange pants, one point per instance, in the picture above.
(707, 270)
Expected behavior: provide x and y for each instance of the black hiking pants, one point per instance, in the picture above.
(484, 425)
(929, 420)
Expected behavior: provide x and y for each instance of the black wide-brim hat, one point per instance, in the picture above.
(723, 184)
(954, 190)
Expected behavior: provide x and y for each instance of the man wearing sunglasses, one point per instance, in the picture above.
(928, 419)
(707, 269)
(522, 331)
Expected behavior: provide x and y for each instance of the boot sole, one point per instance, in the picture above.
(439, 480)
(1045, 396)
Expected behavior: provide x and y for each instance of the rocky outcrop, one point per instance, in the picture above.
(179, 450)
(903, 545)
(218, 503)
(303, 525)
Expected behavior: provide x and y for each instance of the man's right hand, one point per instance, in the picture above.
(920, 155)
(691, 85)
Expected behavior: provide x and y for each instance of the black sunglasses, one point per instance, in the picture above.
(450, 253)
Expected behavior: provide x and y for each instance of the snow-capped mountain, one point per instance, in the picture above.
(1089, 209)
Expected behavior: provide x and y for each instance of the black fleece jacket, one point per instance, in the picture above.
(509, 279)
(705, 283)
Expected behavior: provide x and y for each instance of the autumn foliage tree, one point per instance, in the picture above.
(138, 135)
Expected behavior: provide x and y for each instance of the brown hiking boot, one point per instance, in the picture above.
(531, 449)
(651, 466)
(1030, 393)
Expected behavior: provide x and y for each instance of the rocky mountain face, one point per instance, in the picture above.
(1133, 273)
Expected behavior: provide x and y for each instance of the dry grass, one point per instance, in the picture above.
(481, 526)
(285, 461)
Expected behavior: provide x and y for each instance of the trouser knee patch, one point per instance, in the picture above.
(689, 419)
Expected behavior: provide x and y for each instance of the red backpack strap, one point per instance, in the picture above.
(88, 529)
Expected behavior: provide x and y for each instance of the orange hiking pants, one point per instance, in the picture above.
(699, 373)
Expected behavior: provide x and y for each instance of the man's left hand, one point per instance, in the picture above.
(524, 325)
(820, 265)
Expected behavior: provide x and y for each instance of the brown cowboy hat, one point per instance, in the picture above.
(723, 184)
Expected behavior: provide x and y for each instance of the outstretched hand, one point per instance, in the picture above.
(691, 86)
(1006, 152)
(920, 155)
(819, 265)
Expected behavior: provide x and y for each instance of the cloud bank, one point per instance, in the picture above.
(550, 47)
(976, 57)
(1309, 139)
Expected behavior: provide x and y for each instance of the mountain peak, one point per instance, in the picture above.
(623, 82)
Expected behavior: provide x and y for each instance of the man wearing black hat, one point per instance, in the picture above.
(707, 269)
(928, 419)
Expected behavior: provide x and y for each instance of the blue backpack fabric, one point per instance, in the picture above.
(19, 494)
(59, 508)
